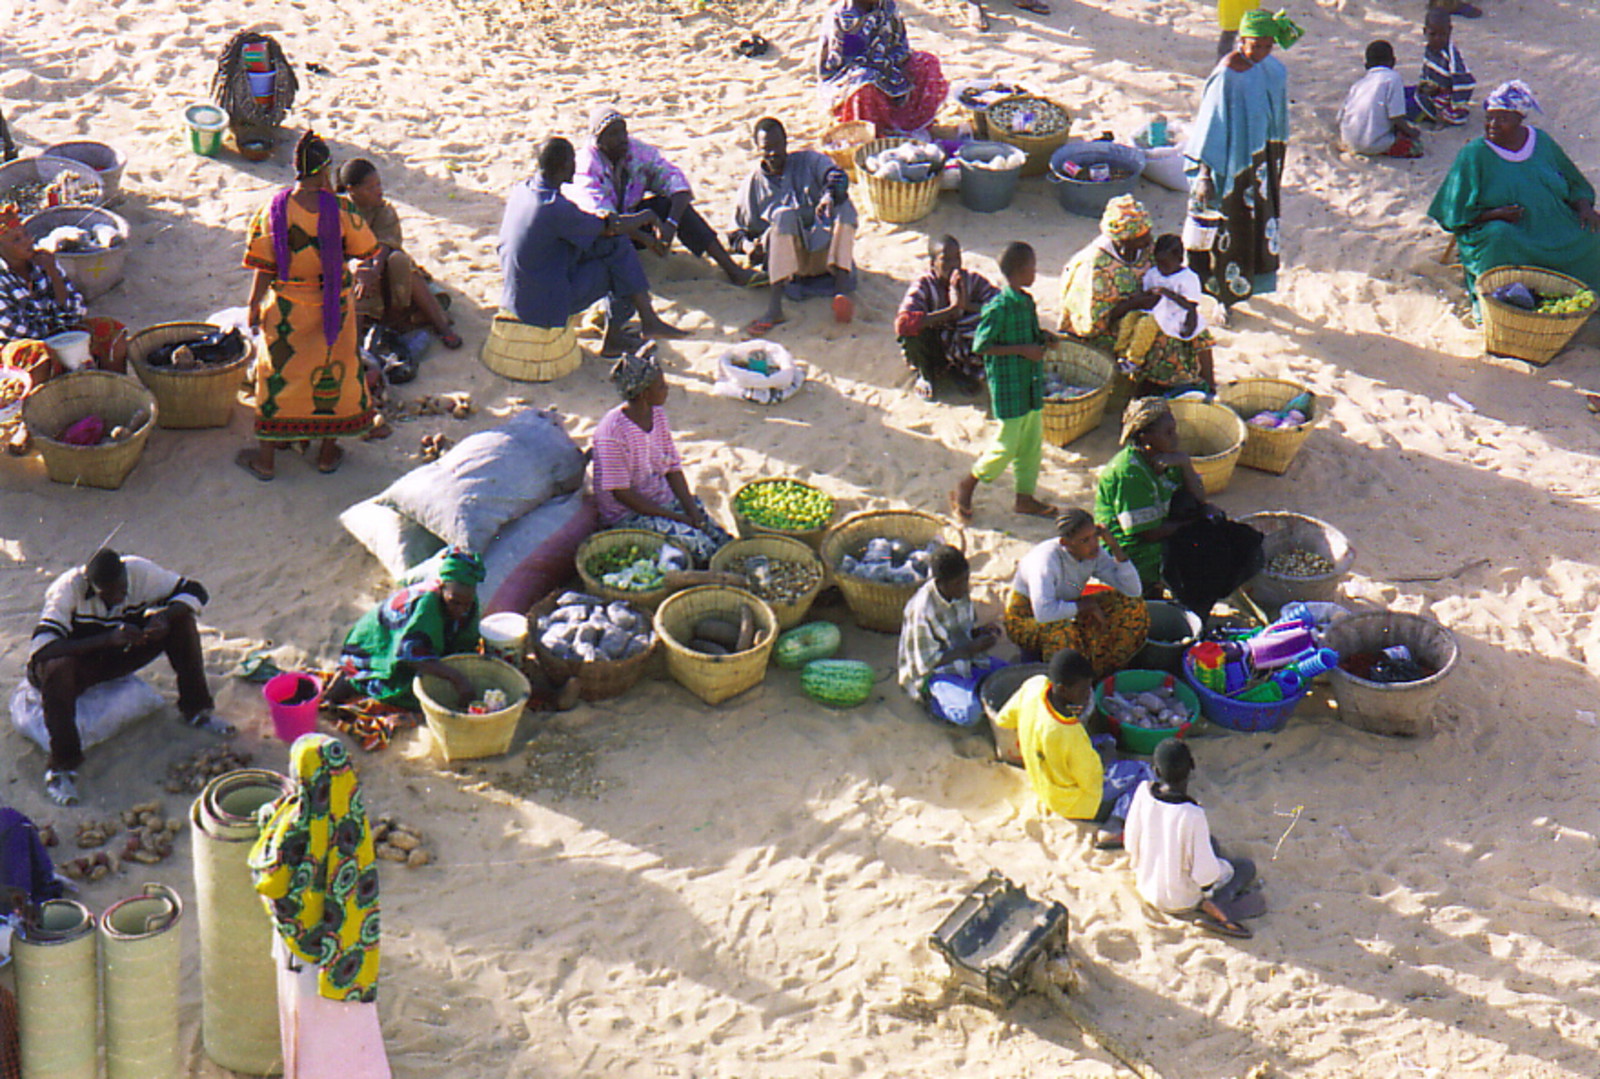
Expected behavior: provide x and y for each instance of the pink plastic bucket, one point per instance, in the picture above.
(290, 721)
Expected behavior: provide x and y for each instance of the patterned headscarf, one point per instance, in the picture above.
(460, 566)
(1124, 218)
(10, 218)
(603, 116)
(634, 373)
(315, 868)
(1280, 28)
(1514, 96)
(1140, 414)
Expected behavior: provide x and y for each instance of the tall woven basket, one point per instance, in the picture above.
(526, 353)
(714, 679)
(609, 540)
(875, 605)
(1082, 366)
(1528, 335)
(841, 141)
(893, 201)
(65, 400)
(598, 680)
(778, 549)
(462, 735)
(1270, 449)
(1037, 147)
(748, 529)
(1213, 437)
(197, 397)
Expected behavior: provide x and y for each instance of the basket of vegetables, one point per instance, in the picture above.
(879, 558)
(902, 177)
(1531, 314)
(978, 96)
(1035, 125)
(784, 572)
(605, 646)
(625, 563)
(783, 507)
(1145, 708)
(482, 726)
(717, 640)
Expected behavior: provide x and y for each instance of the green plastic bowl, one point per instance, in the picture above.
(1143, 740)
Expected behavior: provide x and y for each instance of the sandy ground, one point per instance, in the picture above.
(659, 889)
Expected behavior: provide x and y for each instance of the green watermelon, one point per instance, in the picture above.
(801, 645)
(837, 683)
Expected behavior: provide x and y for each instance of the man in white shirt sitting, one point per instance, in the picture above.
(1373, 121)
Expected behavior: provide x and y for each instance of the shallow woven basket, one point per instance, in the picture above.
(714, 678)
(526, 353)
(877, 606)
(1213, 437)
(1038, 149)
(601, 542)
(851, 135)
(748, 529)
(1403, 708)
(782, 549)
(1270, 449)
(892, 201)
(199, 397)
(598, 680)
(65, 400)
(1080, 365)
(1295, 531)
(1528, 335)
(460, 735)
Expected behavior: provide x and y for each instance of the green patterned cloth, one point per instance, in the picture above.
(1016, 385)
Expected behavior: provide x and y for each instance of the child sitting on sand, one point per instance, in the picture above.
(1444, 93)
(942, 646)
(1178, 312)
(1373, 121)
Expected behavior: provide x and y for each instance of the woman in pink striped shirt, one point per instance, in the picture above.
(638, 475)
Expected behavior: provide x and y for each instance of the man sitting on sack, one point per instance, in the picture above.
(102, 621)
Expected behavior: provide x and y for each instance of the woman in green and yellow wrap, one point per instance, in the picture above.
(315, 869)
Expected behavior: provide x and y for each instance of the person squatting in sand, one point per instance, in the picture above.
(1373, 120)
(938, 318)
(942, 655)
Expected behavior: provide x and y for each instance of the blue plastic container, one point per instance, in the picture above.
(1085, 197)
(1240, 715)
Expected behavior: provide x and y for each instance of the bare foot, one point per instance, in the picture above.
(662, 330)
(1032, 507)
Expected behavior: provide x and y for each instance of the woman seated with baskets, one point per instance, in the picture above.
(638, 475)
(869, 72)
(1104, 303)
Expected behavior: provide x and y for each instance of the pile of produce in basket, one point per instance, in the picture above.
(1293, 414)
(14, 385)
(1519, 295)
(72, 240)
(492, 701)
(719, 635)
(91, 430)
(787, 505)
(1057, 388)
(634, 569)
(1154, 709)
(889, 561)
(1297, 562)
(584, 627)
(1012, 159)
(777, 580)
(986, 95)
(212, 349)
(1031, 116)
(1388, 666)
(910, 162)
(66, 189)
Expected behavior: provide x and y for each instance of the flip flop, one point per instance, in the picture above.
(338, 459)
(246, 459)
(844, 309)
(450, 339)
(1032, 7)
(760, 327)
(758, 279)
(1229, 929)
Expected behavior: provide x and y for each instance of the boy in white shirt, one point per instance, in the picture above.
(1373, 121)
(1178, 315)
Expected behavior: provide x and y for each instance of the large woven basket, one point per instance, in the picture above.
(748, 529)
(1400, 708)
(1213, 437)
(65, 400)
(1270, 449)
(460, 735)
(778, 548)
(526, 353)
(714, 678)
(198, 397)
(892, 201)
(610, 540)
(877, 606)
(1528, 335)
(841, 141)
(1038, 148)
(1290, 532)
(598, 680)
(1080, 365)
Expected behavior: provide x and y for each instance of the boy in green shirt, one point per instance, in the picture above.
(1012, 346)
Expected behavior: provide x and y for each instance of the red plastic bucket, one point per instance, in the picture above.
(290, 721)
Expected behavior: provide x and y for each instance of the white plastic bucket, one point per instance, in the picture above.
(505, 636)
(70, 349)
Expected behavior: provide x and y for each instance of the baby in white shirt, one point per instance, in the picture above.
(1178, 313)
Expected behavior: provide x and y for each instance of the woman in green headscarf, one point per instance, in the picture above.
(409, 634)
(1235, 163)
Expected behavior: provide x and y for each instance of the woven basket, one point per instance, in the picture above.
(848, 137)
(609, 540)
(1270, 449)
(877, 606)
(526, 353)
(714, 678)
(1080, 365)
(782, 549)
(199, 397)
(460, 735)
(65, 400)
(1398, 708)
(1528, 335)
(1038, 149)
(1295, 531)
(748, 529)
(894, 202)
(1213, 437)
(598, 680)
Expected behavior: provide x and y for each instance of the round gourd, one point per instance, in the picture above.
(837, 683)
(801, 645)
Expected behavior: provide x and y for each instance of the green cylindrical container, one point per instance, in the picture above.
(58, 1000)
(139, 967)
(238, 980)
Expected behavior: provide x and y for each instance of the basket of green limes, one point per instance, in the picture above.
(782, 506)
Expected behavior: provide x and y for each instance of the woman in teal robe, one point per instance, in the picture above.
(1514, 198)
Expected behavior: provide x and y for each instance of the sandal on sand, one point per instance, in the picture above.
(1222, 927)
(760, 327)
(1032, 7)
(246, 459)
(962, 514)
(328, 468)
(450, 339)
(758, 279)
(844, 309)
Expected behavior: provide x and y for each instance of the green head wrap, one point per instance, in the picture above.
(461, 567)
(1280, 28)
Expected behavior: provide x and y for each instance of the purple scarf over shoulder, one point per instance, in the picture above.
(330, 245)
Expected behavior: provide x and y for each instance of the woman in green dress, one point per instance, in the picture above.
(1514, 198)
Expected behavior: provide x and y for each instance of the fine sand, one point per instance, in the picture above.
(655, 888)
